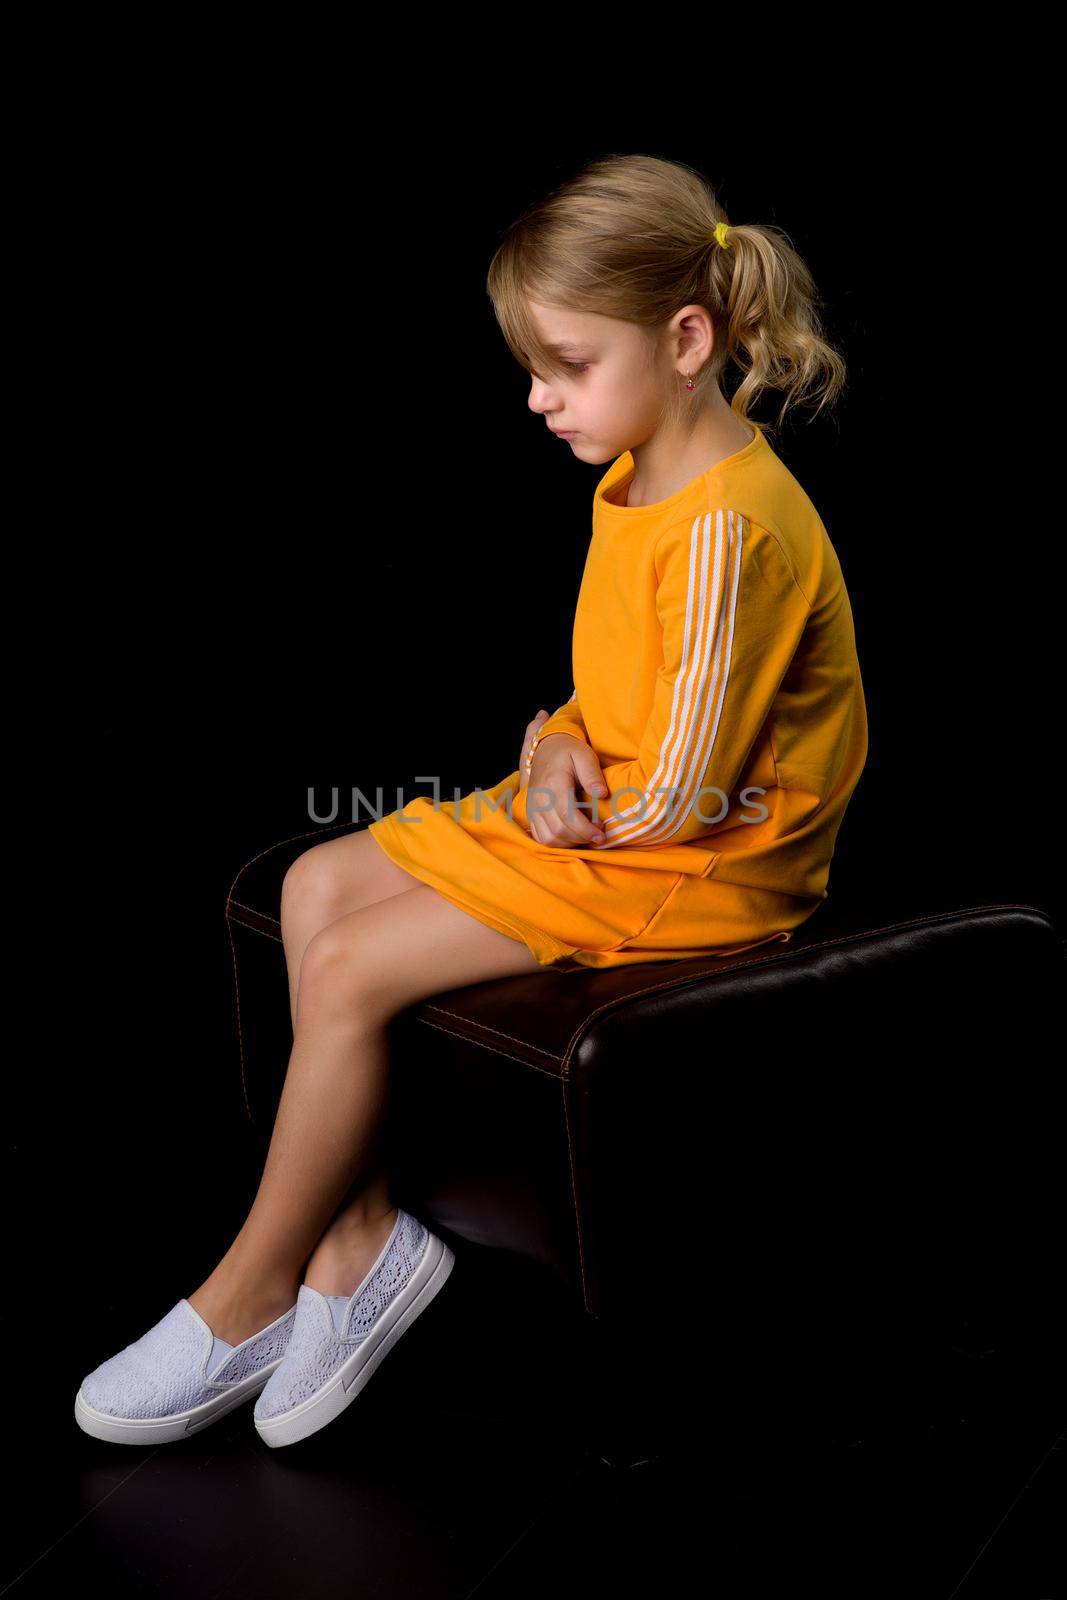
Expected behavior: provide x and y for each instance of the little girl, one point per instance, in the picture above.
(685, 800)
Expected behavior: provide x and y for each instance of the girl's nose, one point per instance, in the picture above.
(540, 396)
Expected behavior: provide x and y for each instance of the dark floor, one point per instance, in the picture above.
(925, 1465)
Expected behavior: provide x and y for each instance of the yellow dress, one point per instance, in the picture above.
(716, 678)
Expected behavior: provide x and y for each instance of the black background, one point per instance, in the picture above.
(293, 526)
(313, 536)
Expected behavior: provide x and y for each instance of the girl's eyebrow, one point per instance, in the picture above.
(568, 348)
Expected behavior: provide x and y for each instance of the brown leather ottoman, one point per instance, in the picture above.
(709, 1154)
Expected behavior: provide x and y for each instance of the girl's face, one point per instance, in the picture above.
(611, 398)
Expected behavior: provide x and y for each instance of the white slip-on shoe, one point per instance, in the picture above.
(177, 1378)
(337, 1342)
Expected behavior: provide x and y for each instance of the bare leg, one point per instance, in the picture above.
(324, 883)
(328, 881)
(356, 973)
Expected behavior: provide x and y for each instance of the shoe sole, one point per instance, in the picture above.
(178, 1425)
(429, 1277)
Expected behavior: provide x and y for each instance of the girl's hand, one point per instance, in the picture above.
(531, 732)
(558, 771)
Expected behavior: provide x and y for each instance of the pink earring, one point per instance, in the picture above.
(690, 384)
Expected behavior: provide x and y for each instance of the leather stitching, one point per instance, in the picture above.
(775, 958)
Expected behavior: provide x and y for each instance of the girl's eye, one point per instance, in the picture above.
(576, 366)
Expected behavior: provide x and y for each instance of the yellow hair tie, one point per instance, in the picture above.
(721, 230)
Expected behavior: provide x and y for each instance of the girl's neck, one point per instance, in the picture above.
(663, 465)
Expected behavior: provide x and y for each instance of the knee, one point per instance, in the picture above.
(335, 972)
(310, 888)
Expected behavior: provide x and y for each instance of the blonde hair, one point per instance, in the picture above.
(633, 237)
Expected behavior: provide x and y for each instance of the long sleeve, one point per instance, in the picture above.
(732, 616)
(568, 719)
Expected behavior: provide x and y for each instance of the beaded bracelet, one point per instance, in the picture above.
(534, 742)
